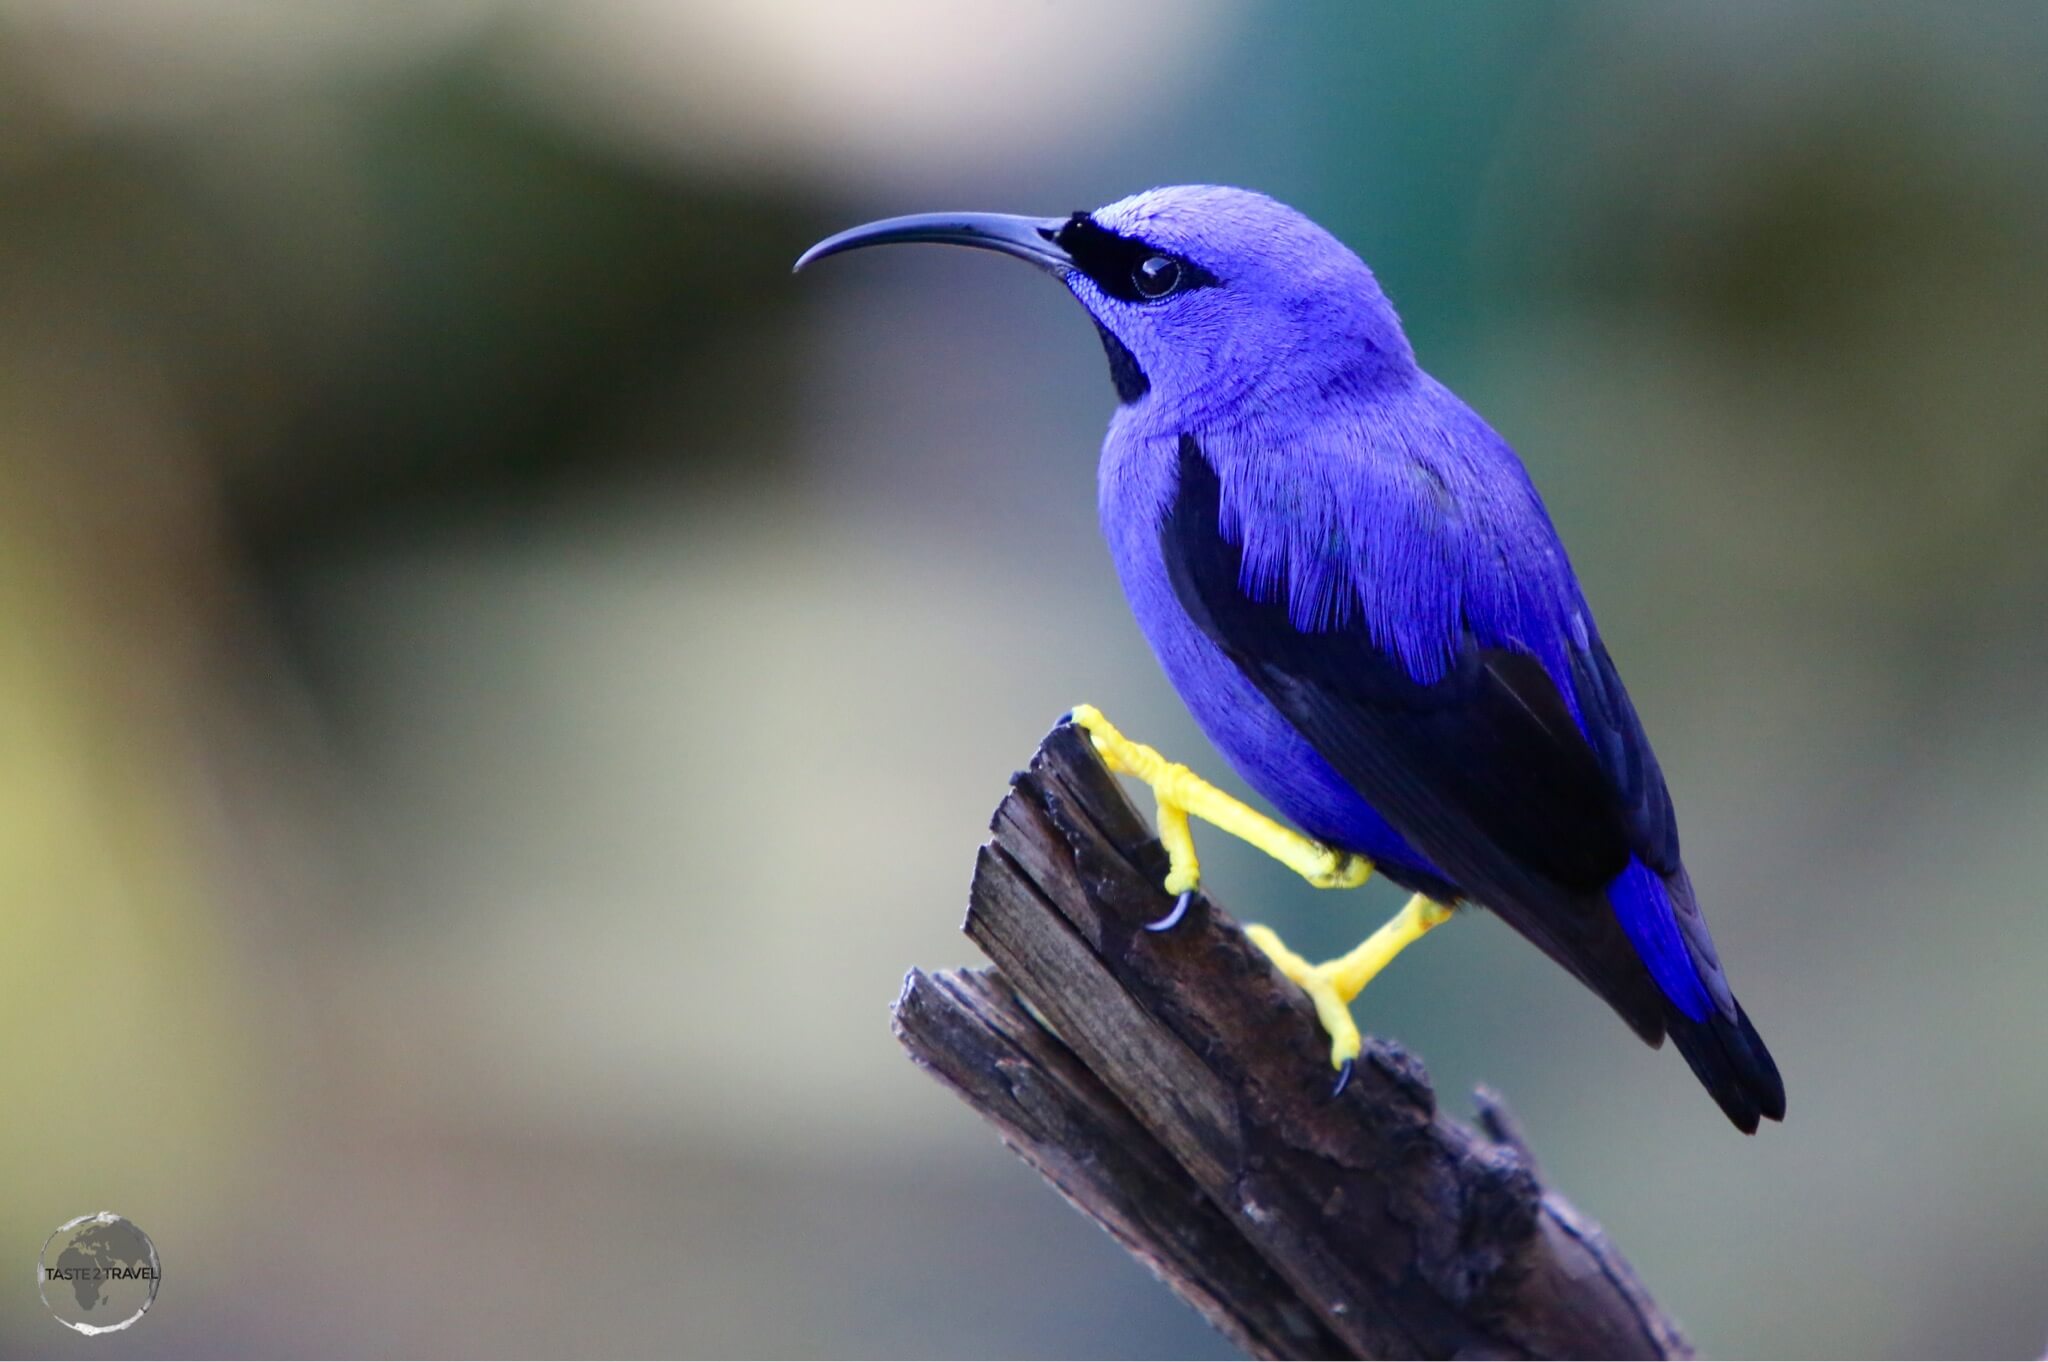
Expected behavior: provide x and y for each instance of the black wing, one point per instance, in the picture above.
(1484, 771)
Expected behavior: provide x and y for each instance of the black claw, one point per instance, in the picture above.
(1172, 919)
(1343, 1077)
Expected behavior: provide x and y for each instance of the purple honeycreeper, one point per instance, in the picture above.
(1355, 588)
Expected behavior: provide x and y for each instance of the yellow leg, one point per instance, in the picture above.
(1181, 792)
(1333, 984)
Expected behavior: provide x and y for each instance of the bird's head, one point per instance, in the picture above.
(1204, 295)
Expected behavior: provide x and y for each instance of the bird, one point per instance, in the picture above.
(1354, 586)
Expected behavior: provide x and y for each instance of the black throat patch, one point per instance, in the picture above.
(1130, 380)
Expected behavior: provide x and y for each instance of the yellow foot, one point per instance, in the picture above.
(1333, 984)
(1180, 792)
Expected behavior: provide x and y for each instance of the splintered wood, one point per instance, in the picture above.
(1176, 1089)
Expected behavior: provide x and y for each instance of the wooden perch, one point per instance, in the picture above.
(1176, 1089)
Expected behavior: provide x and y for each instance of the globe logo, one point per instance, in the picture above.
(98, 1273)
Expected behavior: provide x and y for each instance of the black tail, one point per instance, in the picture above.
(1730, 1059)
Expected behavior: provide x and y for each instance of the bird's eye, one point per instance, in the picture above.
(1156, 277)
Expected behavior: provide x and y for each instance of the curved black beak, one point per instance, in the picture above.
(1031, 239)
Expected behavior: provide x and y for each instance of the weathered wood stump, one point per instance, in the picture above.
(1176, 1089)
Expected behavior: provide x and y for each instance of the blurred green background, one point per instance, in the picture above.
(498, 680)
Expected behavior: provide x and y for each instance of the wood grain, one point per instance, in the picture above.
(1176, 1089)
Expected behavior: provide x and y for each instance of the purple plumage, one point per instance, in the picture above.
(1350, 580)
